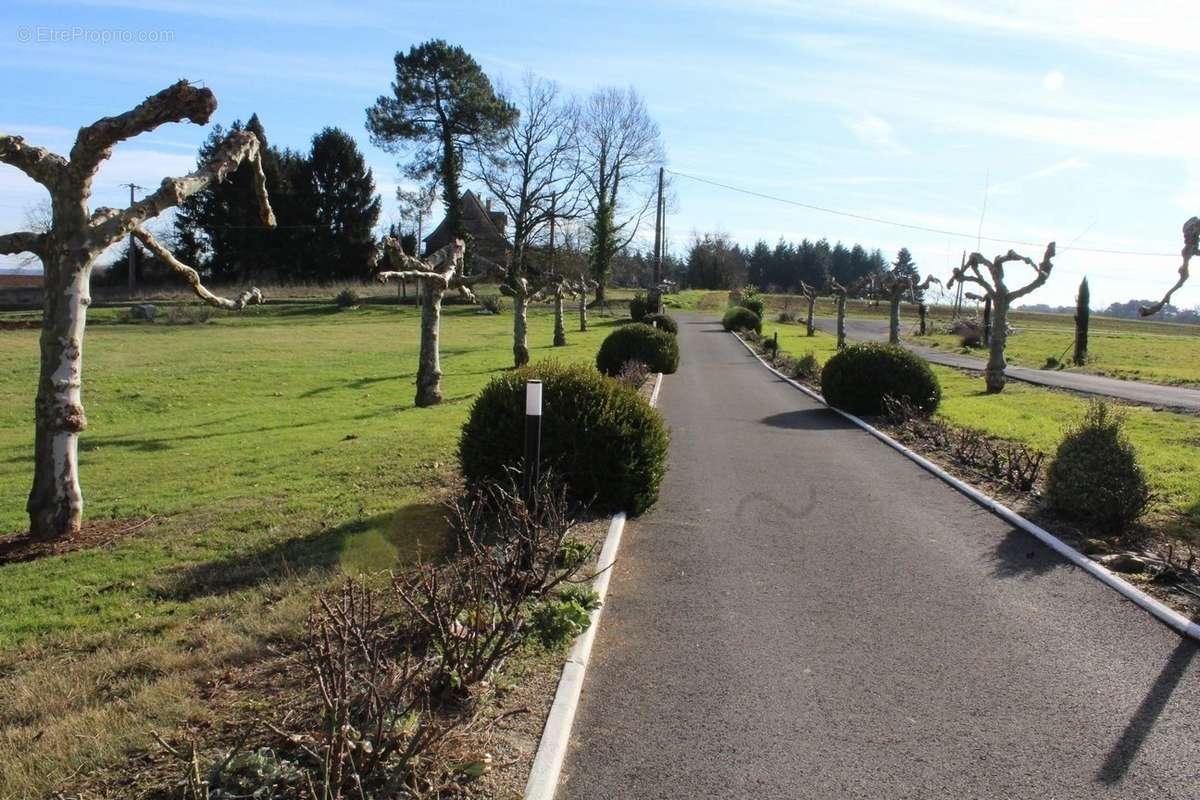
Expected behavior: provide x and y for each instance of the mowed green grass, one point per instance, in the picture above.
(1168, 444)
(1130, 354)
(246, 433)
(281, 449)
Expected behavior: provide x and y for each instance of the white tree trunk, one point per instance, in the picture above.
(583, 310)
(993, 375)
(560, 334)
(429, 364)
(841, 321)
(808, 322)
(55, 503)
(520, 329)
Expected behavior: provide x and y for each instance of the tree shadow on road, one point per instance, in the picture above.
(1123, 753)
(807, 419)
(1019, 555)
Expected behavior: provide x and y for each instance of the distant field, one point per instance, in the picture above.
(280, 448)
(1147, 350)
(1168, 444)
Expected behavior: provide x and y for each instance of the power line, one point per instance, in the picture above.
(910, 226)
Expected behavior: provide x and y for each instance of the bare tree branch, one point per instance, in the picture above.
(240, 147)
(251, 296)
(21, 242)
(38, 163)
(1191, 247)
(178, 102)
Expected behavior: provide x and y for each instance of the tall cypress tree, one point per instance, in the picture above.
(1082, 317)
(904, 266)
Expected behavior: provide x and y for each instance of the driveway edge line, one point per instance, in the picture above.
(1164, 613)
(552, 749)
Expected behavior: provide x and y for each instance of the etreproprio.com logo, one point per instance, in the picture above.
(50, 34)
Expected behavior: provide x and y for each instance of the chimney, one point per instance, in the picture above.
(487, 204)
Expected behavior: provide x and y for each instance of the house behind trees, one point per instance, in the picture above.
(485, 228)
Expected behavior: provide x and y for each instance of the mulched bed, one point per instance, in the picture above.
(95, 533)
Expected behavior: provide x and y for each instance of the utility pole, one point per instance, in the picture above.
(655, 294)
(132, 245)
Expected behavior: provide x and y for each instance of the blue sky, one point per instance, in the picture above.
(1080, 117)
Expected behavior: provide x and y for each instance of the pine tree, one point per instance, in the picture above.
(347, 207)
(904, 266)
(441, 101)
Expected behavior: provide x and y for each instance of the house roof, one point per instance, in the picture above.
(480, 223)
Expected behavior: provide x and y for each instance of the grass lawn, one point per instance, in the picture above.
(1131, 354)
(280, 448)
(1167, 444)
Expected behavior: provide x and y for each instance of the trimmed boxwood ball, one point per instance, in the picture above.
(658, 350)
(662, 322)
(602, 438)
(1095, 478)
(638, 307)
(858, 378)
(741, 319)
(751, 304)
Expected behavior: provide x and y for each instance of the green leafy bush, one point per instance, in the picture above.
(808, 367)
(492, 303)
(858, 378)
(601, 438)
(749, 298)
(658, 350)
(347, 298)
(557, 622)
(741, 319)
(662, 322)
(638, 307)
(1095, 478)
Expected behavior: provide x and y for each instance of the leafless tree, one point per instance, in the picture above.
(434, 275)
(839, 293)
(1191, 247)
(810, 294)
(894, 287)
(995, 289)
(558, 287)
(581, 287)
(76, 237)
(621, 150)
(534, 173)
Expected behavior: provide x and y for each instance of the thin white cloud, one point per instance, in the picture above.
(1053, 81)
(874, 131)
(1066, 165)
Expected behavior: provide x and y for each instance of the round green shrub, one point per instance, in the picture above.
(638, 307)
(858, 378)
(600, 437)
(739, 318)
(751, 304)
(662, 322)
(1095, 478)
(658, 350)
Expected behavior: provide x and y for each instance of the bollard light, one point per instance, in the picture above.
(533, 436)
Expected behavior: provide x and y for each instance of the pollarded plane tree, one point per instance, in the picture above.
(433, 275)
(894, 286)
(76, 237)
(810, 294)
(839, 293)
(534, 173)
(581, 286)
(1191, 247)
(558, 287)
(997, 290)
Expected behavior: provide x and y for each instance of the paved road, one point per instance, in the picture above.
(807, 614)
(1132, 391)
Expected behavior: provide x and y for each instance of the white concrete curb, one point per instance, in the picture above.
(552, 749)
(1164, 613)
